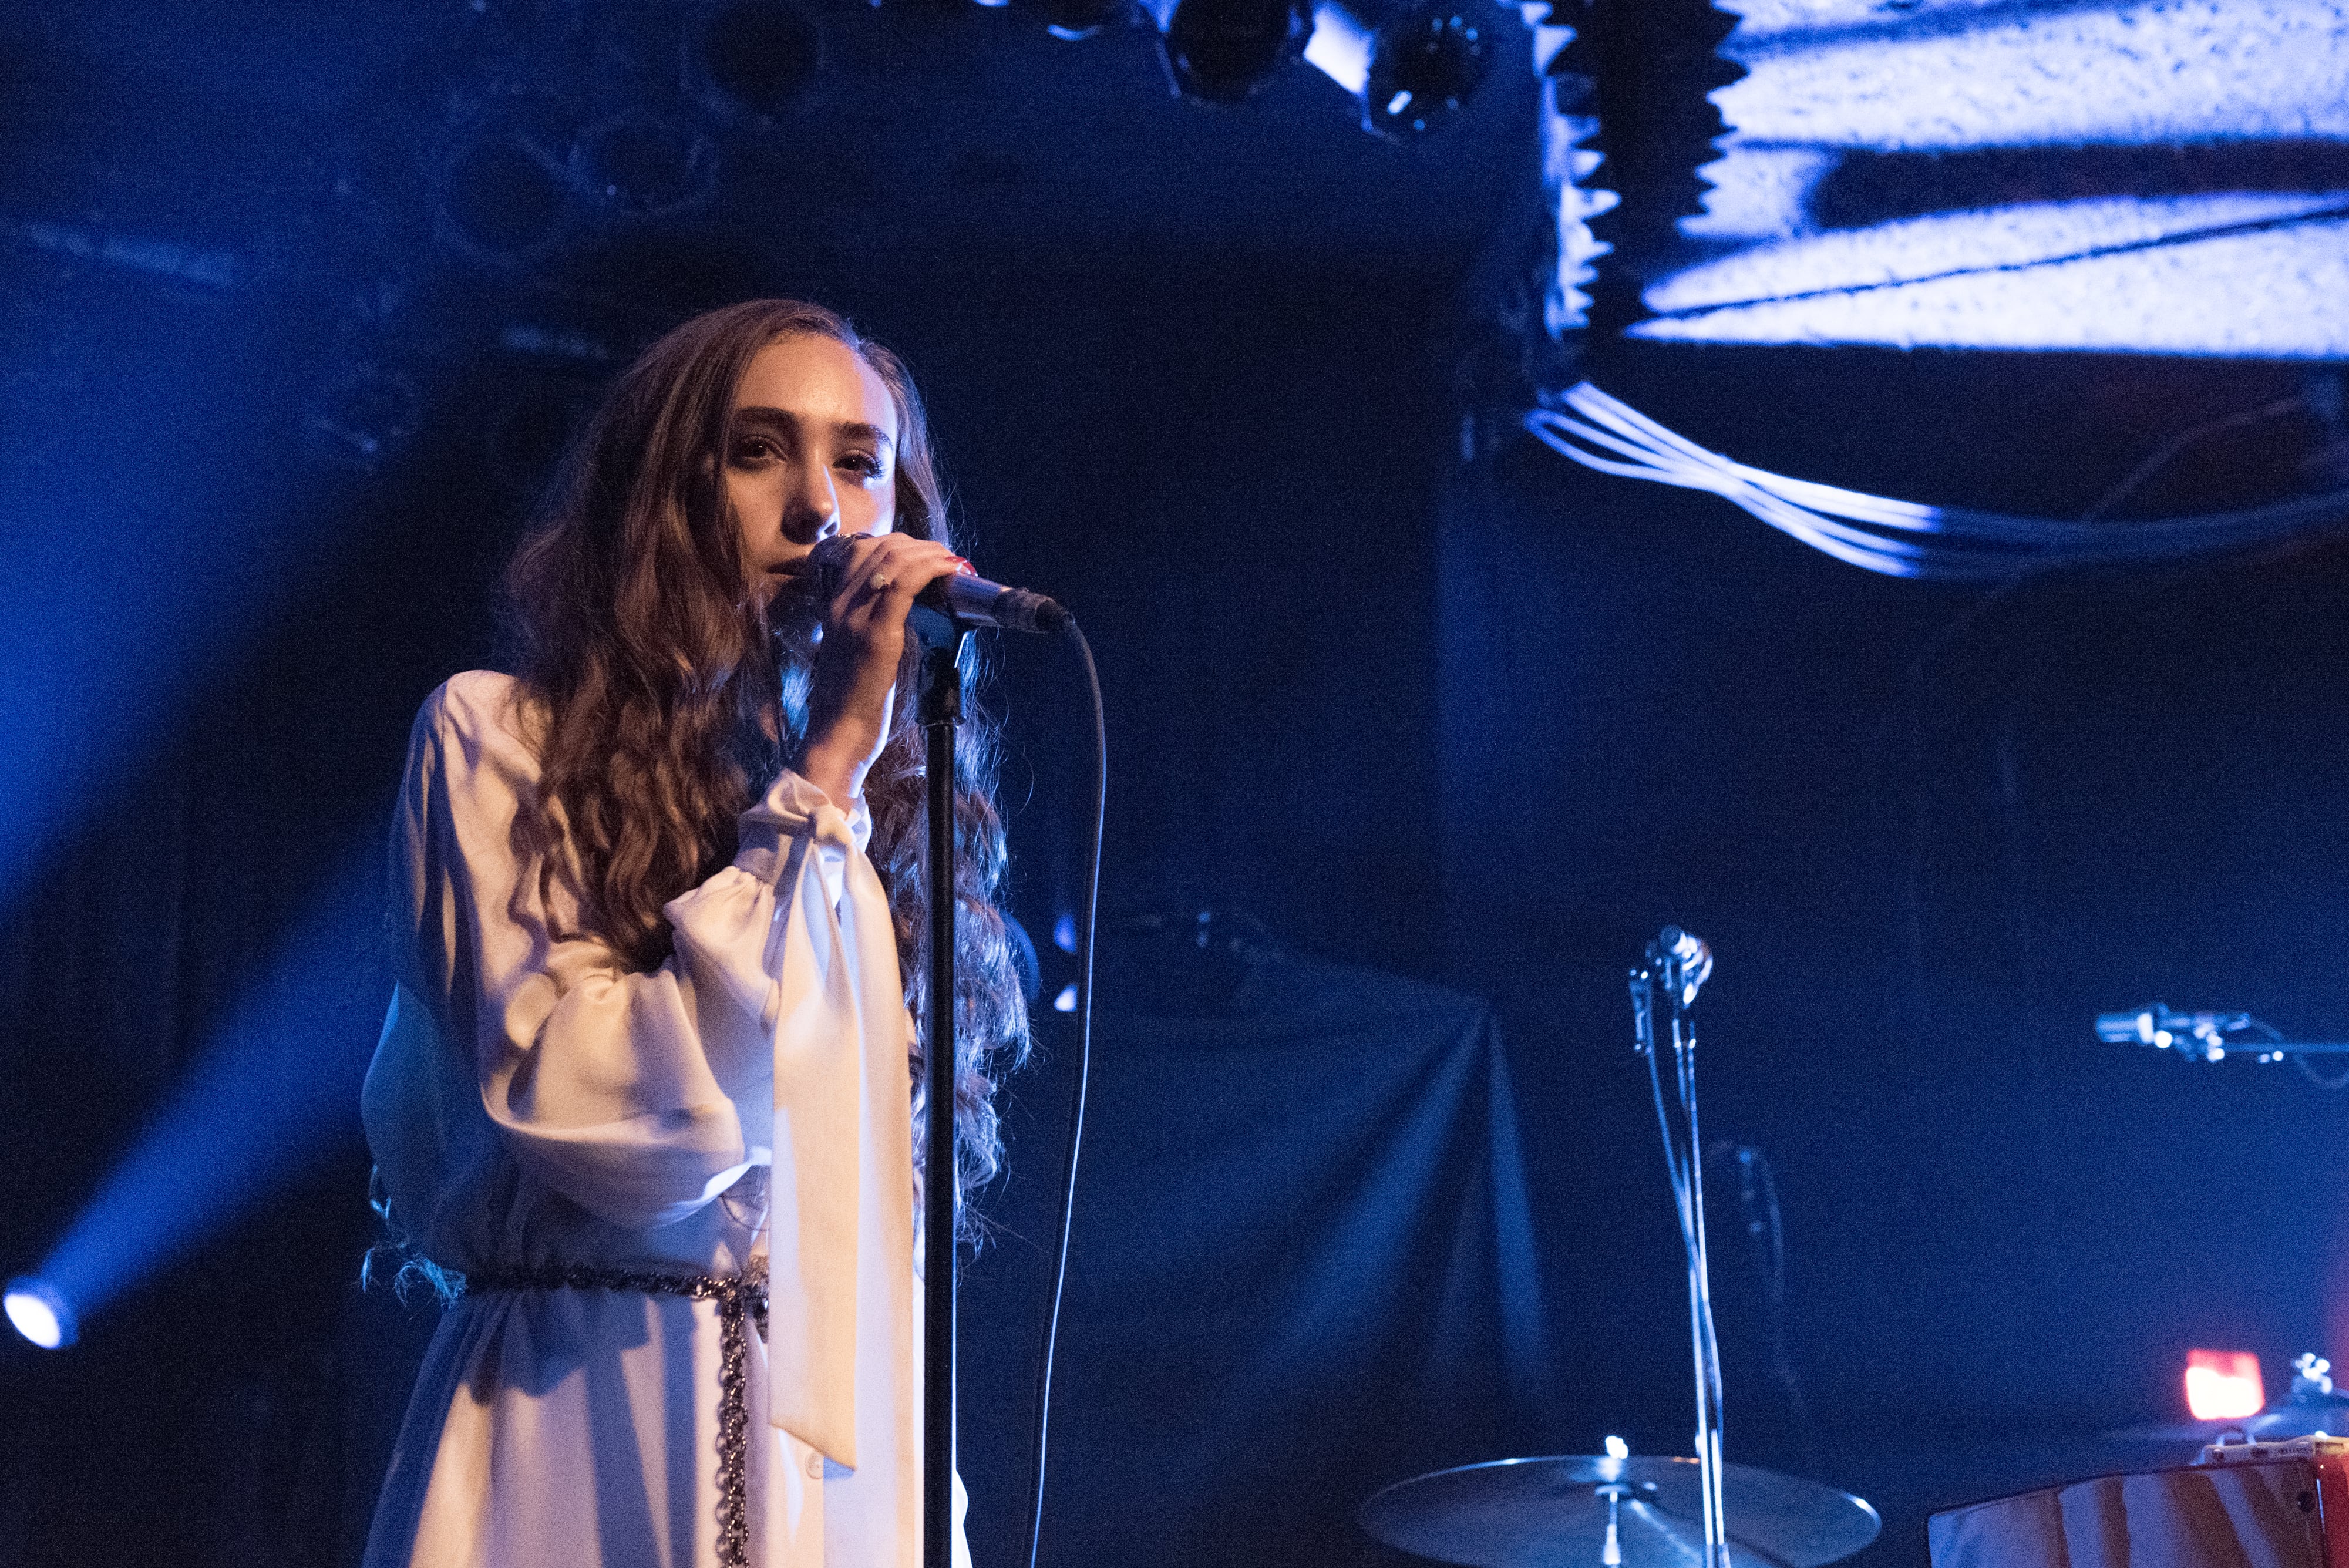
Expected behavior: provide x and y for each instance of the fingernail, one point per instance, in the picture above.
(964, 569)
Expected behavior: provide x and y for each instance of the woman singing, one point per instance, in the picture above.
(645, 1081)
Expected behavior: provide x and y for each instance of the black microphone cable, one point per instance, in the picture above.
(1077, 1101)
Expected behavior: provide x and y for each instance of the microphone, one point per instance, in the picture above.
(1685, 959)
(968, 600)
(2193, 1034)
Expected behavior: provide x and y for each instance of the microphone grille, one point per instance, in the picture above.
(829, 561)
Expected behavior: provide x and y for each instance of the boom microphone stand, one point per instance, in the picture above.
(1680, 963)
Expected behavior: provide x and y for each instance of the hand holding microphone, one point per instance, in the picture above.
(863, 585)
(964, 596)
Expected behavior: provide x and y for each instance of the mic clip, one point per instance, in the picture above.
(1683, 961)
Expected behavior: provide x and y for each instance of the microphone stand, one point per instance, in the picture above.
(938, 709)
(1681, 963)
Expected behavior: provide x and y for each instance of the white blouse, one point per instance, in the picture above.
(534, 1103)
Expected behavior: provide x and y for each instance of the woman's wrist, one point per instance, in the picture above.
(836, 769)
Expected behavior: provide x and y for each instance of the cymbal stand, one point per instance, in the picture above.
(1680, 963)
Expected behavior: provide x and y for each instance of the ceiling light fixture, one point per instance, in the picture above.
(753, 59)
(1224, 51)
(1410, 73)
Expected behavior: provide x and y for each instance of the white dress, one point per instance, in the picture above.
(534, 1103)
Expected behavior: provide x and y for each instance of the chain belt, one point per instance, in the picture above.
(741, 1296)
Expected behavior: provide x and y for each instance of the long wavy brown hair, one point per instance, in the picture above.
(653, 670)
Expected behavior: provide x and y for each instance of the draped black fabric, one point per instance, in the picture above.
(1302, 1267)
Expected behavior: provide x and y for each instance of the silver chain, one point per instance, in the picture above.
(738, 1297)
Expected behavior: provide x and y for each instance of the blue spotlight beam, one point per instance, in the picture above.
(272, 1091)
(146, 543)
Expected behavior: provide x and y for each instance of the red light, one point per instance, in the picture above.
(2223, 1384)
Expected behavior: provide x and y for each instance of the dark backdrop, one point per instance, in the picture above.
(1931, 834)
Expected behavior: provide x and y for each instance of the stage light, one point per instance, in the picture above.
(1411, 74)
(503, 197)
(40, 1312)
(1222, 51)
(273, 1089)
(1067, 1001)
(2223, 1384)
(753, 59)
(1076, 19)
(1065, 933)
(643, 164)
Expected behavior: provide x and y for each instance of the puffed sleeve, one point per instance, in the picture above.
(640, 1095)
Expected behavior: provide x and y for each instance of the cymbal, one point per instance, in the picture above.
(2281, 1421)
(1553, 1513)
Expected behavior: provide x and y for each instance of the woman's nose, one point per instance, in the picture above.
(812, 509)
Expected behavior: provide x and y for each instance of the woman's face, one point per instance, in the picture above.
(811, 452)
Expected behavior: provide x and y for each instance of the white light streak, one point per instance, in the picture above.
(2279, 293)
(1761, 192)
(1963, 75)
(1915, 248)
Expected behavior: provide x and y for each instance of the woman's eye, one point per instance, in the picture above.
(754, 449)
(862, 462)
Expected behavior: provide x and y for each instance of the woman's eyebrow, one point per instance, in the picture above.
(853, 430)
(845, 429)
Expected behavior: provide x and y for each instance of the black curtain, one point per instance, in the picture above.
(1302, 1267)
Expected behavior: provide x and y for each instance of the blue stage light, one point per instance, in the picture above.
(1410, 73)
(40, 1313)
(98, 658)
(1222, 51)
(273, 1089)
(1078, 19)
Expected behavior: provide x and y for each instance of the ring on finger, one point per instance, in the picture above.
(881, 581)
